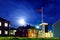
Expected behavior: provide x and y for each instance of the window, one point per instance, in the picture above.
(0, 23)
(14, 30)
(6, 32)
(0, 31)
(6, 24)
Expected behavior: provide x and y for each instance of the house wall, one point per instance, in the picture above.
(56, 29)
(12, 32)
(31, 33)
(3, 28)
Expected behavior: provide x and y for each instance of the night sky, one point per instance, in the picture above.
(14, 10)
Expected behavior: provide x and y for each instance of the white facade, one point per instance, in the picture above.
(0, 23)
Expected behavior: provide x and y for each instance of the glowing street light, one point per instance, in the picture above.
(37, 27)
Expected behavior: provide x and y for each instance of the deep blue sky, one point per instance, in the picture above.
(13, 10)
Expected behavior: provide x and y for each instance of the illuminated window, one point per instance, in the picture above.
(0, 31)
(0, 23)
(6, 32)
(14, 30)
(6, 24)
(32, 35)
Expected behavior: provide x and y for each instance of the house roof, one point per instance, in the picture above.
(12, 28)
(25, 27)
(29, 27)
(57, 23)
(4, 19)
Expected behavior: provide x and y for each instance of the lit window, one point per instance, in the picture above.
(6, 32)
(0, 23)
(14, 30)
(6, 24)
(0, 31)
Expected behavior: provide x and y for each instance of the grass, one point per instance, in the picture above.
(18, 38)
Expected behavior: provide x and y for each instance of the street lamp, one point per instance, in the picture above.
(37, 27)
(37, 30)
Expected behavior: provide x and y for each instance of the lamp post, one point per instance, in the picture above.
(37, 30)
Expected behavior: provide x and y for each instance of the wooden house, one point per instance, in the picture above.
(27, 31)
